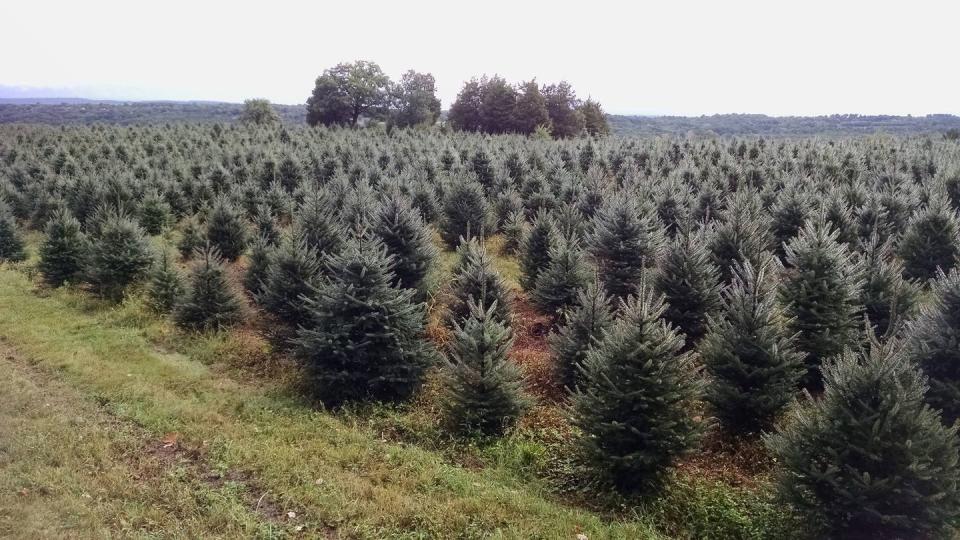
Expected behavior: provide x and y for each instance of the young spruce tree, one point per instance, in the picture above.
(752, 361)
(887, 298)
(192, 238)
(365, 338)
(821, 292)
(933, 342)
(475, 280)
(209, 303)
(226, 230)
(484, 389)
(931, 241)
(261, 256)
(635, 400)
(563, 277)
(63, 251)
(11, 242)
(466, 212)
(869, 459)
(535, 248)
(293, 272)
(690, 284)
(165, 287)
(582, 328)
(119, 256)
(407, 239)
(623, 243)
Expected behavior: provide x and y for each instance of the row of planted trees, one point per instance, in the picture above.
(733, 274)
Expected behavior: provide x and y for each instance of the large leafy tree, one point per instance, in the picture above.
(497, 105)
(347, 91)
(259, 112)
(563, 108)
(594, 119)
(414, 100)
(466, 112)
(531, 108)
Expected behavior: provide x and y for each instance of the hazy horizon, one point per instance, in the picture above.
(684, 59)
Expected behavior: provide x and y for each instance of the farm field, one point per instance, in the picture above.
(273, 331)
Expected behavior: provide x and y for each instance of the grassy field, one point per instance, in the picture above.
(113, 423)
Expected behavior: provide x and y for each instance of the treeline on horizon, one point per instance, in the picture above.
(350, 93)
(167, 112)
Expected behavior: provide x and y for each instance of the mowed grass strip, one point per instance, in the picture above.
(68, 470)
(336, 479)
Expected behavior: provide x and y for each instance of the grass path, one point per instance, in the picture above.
(117, 396)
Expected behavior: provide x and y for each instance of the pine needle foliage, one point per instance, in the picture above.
(364, 338)
(210, 302)
(635, 400)
(63, 250)
(484, 388)
(752, 361)
(869, 459)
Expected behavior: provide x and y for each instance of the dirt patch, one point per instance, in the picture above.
(531, 350)
(742, 462)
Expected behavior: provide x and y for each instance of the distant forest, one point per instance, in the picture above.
(725, 124)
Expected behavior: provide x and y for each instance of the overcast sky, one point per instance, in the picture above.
(669, 57)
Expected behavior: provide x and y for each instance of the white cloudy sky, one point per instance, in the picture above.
(669, 57)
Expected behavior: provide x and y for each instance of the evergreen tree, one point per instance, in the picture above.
(261, 256)
(634, 403)
(192, 238)
(753, 364)
(364, 339)
(209, 303)
(789, 213)
(566, 273)
(226, 230)
(11, 242)
(165, 287)
(154, 213)
(291, 276)
(485, 389)
(931, 241)
(623, 243)
(316, 224)
(514, 231)
(886, 297)
(408, 240)
(582, 328)
(535, 249)
(475, 280)
(743, 234)
(690, 284)
(934, 344)
(869, 459)
(266, 225)
(120, 255)
(821, 292)
(63, 250)
(466, 212)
